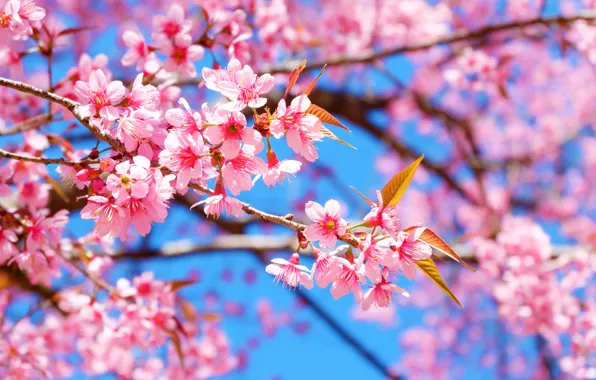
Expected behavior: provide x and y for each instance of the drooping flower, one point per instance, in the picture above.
(99, 97)
(328, 224)
(383, 216)
(380, 295)
(220, 203)
(326, 265)
(347, 280)
(110, 219)
(407, 249)
(290, 273)
(277, 170)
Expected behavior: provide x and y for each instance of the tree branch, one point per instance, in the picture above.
(46, 161)
(457, 36)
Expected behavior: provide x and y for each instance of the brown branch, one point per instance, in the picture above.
(45, 161)
(457, 36)
(70, 104)
(29, 124)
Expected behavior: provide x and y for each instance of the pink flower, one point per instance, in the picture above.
(326, 263)
(277, 170)
(372, 257)
(214, 77)
(220, 203)
(110, 219)
(130, 178)
(380, 295)
(99, 97)
(18, 15)
(383, 216)
(237, 172)
(145, 97)
(230, 131)
(241, 86)
(134, 127)
(181, 52)
(138, 50)
(172, 24)
(294, 117)
(290, 273)
(182, 155)
(7, 248)
(5, 175)
(347, 279)
(328, 223)
(409, 249)
(300, 128)
(184, 118)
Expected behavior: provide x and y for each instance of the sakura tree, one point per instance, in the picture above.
(346, 145)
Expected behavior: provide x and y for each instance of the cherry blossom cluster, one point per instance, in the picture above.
(107, 332)
(383, 255)
(538, 295)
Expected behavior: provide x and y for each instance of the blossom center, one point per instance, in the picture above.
(179, 55)
(4, 20)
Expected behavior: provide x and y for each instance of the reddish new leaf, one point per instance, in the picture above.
(432, 239)
(179, 284)
(75, 30)
(368, 201)
(188, 310)
(397, 186)
(430, 269)
(327, 133)
(294, 77)
(325, 116)
(314, 82)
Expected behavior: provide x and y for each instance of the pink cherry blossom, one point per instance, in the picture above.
(408, 249)
(138, 50)
(326, 266)
(5, 174)
(277, 170)
(100, 97)
(184, 118)
(130, 178)
(110, 218)
(181, 54)
(383, 216)
(347, 279)
(328, 224)
(182, 155)
(242, 86)
(290, 273)
(18, 15)
(229, 131)
(172, 24)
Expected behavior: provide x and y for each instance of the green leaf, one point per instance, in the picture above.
(430, 269)
(397, 186)
(432, 239)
